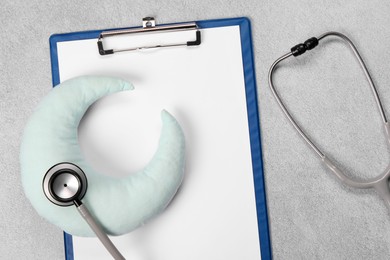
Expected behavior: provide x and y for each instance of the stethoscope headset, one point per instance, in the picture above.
(379, 183)
(65, 184)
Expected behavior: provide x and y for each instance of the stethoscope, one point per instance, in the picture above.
(379, 183)
(65, 184)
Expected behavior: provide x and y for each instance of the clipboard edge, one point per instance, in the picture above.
(253, 111)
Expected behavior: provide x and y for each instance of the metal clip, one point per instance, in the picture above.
(148, 22)
(149, 25)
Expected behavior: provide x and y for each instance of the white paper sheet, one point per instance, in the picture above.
(213, 215)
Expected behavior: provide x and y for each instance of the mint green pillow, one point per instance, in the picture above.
(119, 204)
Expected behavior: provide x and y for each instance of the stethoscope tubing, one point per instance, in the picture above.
(97, 229)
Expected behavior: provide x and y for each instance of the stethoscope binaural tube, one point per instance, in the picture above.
(65, 184)
(380, 183)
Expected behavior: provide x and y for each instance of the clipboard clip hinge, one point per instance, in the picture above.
(149, 25)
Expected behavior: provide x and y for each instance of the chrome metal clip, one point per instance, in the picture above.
(149, 25)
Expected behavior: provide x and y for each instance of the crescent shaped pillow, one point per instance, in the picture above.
(119, 204)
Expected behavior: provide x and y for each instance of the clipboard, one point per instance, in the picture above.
(239, 223)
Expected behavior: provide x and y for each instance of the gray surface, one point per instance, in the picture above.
(312, 216)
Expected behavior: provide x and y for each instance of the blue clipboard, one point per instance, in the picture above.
(252, 108)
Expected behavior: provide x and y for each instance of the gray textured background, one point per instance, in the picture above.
(311, 215)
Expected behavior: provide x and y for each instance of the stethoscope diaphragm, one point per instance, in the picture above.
(64, 183)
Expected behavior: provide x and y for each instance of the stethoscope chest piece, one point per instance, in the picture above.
(64, 183)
